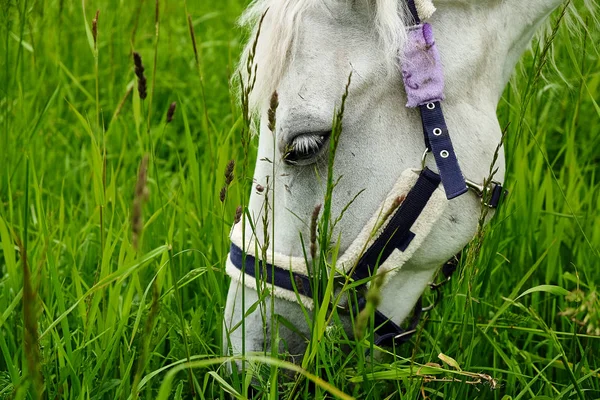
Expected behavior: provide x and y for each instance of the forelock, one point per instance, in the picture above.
(276, 41)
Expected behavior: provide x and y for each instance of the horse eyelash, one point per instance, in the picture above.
(308, 143)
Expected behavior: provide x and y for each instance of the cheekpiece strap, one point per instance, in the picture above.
(422, 70)
(437, 140)
(413, 12)
(424, 84)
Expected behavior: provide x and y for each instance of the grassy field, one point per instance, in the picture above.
(84, 315)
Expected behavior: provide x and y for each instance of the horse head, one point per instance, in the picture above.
(305, 52)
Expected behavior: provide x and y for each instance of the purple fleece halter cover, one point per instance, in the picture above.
(422, 69)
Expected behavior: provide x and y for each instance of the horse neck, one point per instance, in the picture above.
(495, 32)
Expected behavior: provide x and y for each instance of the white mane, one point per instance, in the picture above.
(275, 48)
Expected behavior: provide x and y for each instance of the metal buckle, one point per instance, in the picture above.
(477, 188)
(482, 191)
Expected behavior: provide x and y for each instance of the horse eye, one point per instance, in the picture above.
(305, 148)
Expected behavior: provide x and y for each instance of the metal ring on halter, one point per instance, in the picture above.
(424, 158)
(343, 307)
(403, 334)
(437, 299)
(437, 287)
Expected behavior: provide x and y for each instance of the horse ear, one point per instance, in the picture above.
(425, 8)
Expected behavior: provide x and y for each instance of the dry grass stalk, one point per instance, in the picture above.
(247, 86)
(388, 214)
(122, 102)
(193, 36)
(30, 324)
(373, 298)
(476, 244)
(587, 312)
(146, 337)
(313, 231)
(139, 198)
(265, 229)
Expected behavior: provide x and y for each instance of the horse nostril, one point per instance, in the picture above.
(303, 149)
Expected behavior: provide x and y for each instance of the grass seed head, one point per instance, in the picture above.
(374, 293)
(95, 28)
(171, 111)
(223, 194)
(139, 72)
(139, 198)
(238, 215)
(299, 284)
(373, 298)
(272, 113)
(229, 172)
(398, 201)
(137, 62)
(313, 230)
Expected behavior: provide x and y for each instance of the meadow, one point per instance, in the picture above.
(114, 229)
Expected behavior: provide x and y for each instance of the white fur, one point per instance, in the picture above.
(307, 50)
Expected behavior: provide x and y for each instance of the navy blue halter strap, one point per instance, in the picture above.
(437, 140)
(389, 333)
(271, 274)
(413, 12)
(397, 234)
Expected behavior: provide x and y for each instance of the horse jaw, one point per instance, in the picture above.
(479, 41)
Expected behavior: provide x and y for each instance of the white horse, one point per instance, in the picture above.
(306, 51)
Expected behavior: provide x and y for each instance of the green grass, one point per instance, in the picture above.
(85, 315)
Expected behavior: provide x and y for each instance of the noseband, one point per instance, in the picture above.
(424, 82)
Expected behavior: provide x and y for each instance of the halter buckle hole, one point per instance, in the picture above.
(437, 131)
(430, 106)
(444, 154)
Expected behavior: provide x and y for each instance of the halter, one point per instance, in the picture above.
(423, 81)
